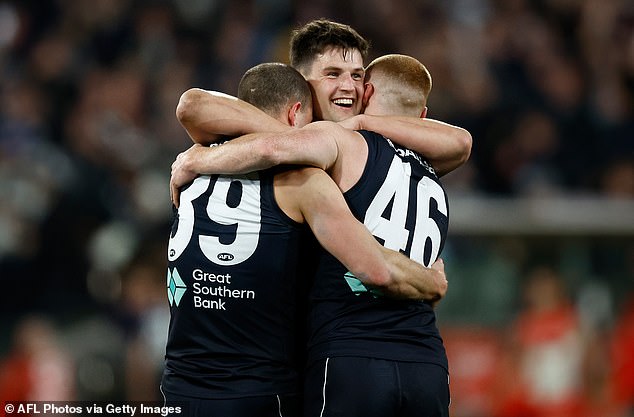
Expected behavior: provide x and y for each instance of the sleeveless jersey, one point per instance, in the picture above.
(401, 201)
(231, 288)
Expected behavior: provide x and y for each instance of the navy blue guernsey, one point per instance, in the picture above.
(401, 201)
(232, 260)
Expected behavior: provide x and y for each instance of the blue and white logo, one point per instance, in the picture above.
(175, 287)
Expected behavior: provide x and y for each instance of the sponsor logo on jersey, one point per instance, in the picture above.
(175, 287)
(358, 287)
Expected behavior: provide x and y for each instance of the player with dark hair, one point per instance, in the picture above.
(330, 56)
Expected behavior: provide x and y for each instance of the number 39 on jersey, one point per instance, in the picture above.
(229, 229)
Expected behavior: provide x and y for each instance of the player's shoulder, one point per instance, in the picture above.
(333, 129)
(296, 189)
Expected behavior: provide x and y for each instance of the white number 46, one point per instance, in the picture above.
(393, 230)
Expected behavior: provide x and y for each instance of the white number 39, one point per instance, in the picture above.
(242, 216)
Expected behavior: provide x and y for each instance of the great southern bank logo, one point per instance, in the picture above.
(175, 287)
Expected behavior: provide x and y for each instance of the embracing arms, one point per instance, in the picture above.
(340, 233)
(445, 146)
(207, 116)
(316, 144)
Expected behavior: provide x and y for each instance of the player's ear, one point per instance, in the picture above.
(292, 113)
(367, 93)
(423, 114)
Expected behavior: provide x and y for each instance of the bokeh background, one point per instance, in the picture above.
(539, 317)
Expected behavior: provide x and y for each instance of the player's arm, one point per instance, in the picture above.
(314, 145)
(207, 116)
(445, 146)
(341, 234)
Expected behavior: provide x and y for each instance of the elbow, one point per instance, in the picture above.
(187, 104)
(464, 142)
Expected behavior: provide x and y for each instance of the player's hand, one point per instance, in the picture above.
(441, 280)
(181, 174)
(352, 123)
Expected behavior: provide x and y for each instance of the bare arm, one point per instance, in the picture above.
(334, 226)
(314, 145)
(445, 146)
(209, 115)
(429, 285)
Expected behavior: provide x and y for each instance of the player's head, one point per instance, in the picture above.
(278, 90)
(396, 85)
(330, 56)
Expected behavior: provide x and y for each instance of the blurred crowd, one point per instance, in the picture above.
(88, 91)
(560, 355)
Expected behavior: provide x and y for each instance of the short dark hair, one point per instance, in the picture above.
(272, 86)
(315, 36)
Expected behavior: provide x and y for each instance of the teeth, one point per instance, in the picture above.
(343, 101)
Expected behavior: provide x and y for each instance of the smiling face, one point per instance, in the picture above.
(336, 78)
